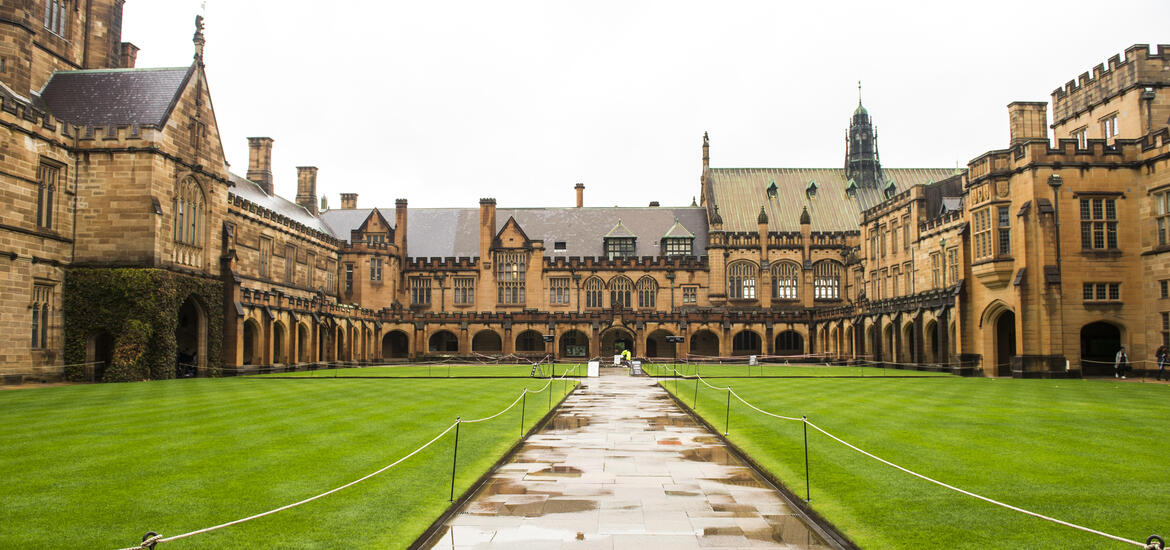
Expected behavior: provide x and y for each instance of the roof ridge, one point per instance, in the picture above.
(123, 70)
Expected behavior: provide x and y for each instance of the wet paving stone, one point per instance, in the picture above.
(621, 466)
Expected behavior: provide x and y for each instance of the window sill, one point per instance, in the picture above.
(1101, 252)
(1103, 303)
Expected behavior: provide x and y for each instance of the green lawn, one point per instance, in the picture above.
(96, 466)
(1084, 451)
(441, 371)
(774, 370)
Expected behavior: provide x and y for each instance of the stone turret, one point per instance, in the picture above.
(862, 163)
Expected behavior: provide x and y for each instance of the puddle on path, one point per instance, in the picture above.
(716, 455)
(558, 471)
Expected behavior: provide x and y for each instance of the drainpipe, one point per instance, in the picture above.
(1055, 181)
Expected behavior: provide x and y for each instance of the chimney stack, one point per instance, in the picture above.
(260, 162)
(654, 204)
(129, 55)
(706, 152)
(348, 201)
(1029, 121)
(580, 187)
(400, 226)
(487, 228)
(307, 188)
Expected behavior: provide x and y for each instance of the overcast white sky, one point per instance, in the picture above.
(444, 102)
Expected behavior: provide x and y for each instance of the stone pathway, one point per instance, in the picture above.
(622, 467)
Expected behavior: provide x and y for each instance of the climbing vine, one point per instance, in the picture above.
(139, 310)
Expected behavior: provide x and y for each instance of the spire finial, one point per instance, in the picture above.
(198, 38)
(859, 93)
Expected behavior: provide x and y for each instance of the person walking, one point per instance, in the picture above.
(1160, 358)
(1120, 364)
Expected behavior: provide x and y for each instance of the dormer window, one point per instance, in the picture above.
(677, 246)
(890, 189)
(772, 190)
(559, 246)
(811, 190)
(619, 247)
(851, 189)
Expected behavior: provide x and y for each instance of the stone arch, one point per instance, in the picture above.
(998, 324)
(99, 349)
(252, 342)
(279, 343)
(834, 347)
(443, 341)
(530, 341)
(930, 350)
(849, 339)
(657, 346)
(487, 341)
(395, 345)
(747, 342)
(574, 343)
(342, 350)
(789, 342)
(888, 348)
(908, 343)
(704, 342)
(304, 350)
(190, 337)
(1100, 341)
(647, 290)
(615, 339)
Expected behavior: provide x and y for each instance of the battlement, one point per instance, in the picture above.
(780, 240)
(263, 213)
(1122, 152)
(427, 264)
(1140, 66)
(563, 263)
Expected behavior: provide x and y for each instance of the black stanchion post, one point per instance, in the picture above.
(695, 404)
(727, 414)
(454, 459)
(807, 493)
(550, 390)
(523, 405)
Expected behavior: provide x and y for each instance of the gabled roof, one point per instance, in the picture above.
(677, 231)
(740, 192)
(511, 221)
(620, 231)
(115, 96)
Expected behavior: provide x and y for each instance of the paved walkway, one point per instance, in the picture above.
(622, 467)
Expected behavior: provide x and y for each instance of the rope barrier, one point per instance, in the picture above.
(1148, 545)
(152, 539)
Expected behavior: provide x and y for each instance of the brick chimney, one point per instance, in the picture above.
(400, 226)
(307, 188)
(129, 55)
(580, 187)
(260, 162)
(1029, 121)
(348, 201)
(487, 228)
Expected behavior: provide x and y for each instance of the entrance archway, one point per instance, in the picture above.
(657, 346)
(1099, 344)
(908, 343)
(279, 354)
(574, 344)
(705, 342)
(101, 354)
(443, 342)
(746, 342)
(615, 340)
(190, 339)
(931, 349)
(486, 341)
(303, 347)
(530, 341)
(342, 352)
(1005, 342)
(395, 345)
(789, 342)
(251, 342)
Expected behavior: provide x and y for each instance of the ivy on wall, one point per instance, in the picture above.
(139, 310)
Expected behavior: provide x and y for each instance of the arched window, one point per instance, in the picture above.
(620, 289)
(593, 292)
(647, 291)
(787, 277)
(741, 280)
(190, 214)
(827, 280)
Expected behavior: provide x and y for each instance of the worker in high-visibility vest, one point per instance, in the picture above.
(626, 357)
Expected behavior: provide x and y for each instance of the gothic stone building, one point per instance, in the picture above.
(129, 249)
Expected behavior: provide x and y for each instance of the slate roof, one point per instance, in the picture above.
(247, 189)
(446, 232)
(114, 96)
(741, 192)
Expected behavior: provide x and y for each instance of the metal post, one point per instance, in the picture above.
(807, 493)
(696, 400)
(523, 405)
(454, 458)
(550, 390)
(727, 415)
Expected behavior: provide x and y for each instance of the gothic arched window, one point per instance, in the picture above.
(647, 291)
(593, 291)
(190, 219)
(620, 289)
(741, 280)
(827, 280)
(787, 277)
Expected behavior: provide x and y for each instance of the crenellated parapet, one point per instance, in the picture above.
(278, 220)
(462, 263)
(643, 263)
(1141, 66)
(786, 240)
(276, 300)
(1122, 152)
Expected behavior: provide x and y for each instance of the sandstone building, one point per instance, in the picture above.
(129, 249)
